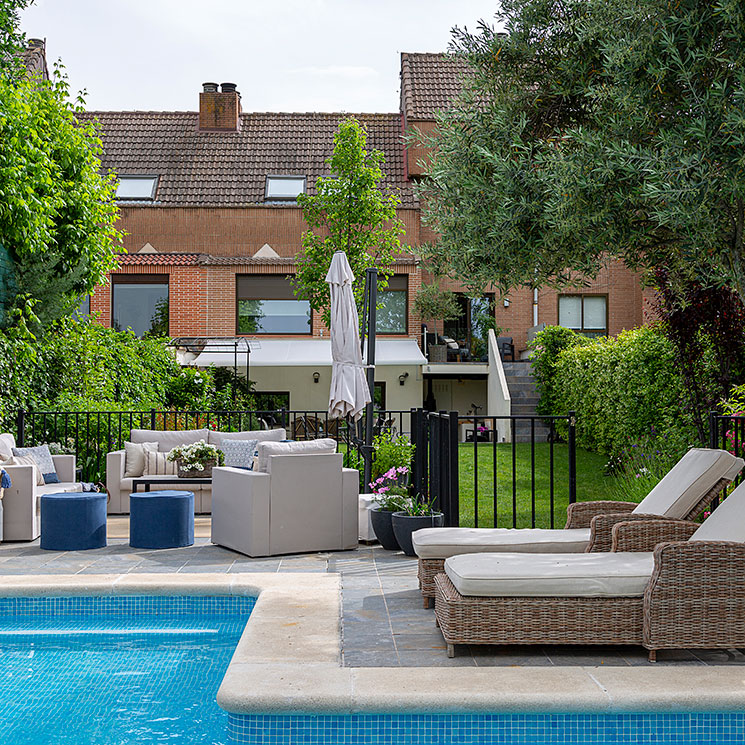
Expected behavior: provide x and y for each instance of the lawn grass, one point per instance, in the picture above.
(592, 483)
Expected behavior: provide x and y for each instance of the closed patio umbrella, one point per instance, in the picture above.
(349, 389)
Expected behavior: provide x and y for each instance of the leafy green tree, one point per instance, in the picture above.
(57, 212)
(349, 212)
(596, 128)
(11, 38)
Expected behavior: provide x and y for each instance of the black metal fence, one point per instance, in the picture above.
(727, 431)
(488, 483)
(90, 435)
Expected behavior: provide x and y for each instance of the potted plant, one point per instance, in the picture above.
(433, 303)
(389, 498)
(196, 460)
(416, 514)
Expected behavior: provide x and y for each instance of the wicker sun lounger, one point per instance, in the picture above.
(591, 522)
(692, 596)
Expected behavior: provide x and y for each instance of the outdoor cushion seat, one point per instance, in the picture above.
(434, 543)
(551, 575)
(686, 593)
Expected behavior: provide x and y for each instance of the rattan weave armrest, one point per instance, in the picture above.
(601, 529)
(695, 597)
(580, 514)
(644, 535)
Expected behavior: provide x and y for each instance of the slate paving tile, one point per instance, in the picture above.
(367, 658)
(422, 658)
(426, 641)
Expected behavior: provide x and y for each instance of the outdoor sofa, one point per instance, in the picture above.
(684, 492)
(22, 500)
(666, 584)
(120, 487)
(298, 499)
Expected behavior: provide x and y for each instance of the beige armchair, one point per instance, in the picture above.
(22, 500)
(302, 503)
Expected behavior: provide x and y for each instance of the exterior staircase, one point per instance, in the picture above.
(521, 384)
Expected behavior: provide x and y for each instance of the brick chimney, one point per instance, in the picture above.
(219, 110)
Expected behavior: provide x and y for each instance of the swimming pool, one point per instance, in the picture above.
(116, 669)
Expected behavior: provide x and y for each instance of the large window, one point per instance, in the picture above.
(140, 302)
(266, 304)
(470, 330)
(83, 310)
(393, 305)
(587, 314)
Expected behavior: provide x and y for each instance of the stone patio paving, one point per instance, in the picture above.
(383, 625)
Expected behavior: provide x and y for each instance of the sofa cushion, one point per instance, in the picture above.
(239, 453)
(134, 457)
(167, 440)
(551, 575)
(727, 521)
(684, 485)
(7, 443)
(43, 459)
(439, 543)
(157, 464)
(26, 460)
(262, 435)
(323, 446)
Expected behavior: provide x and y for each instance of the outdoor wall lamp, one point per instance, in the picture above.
(316, 377)
(402, 378)
(506, 302)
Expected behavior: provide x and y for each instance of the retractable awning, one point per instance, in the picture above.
(307, 353)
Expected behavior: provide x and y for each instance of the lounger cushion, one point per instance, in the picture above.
(551, 575)
(727, 521)
(687, 481)
(439, 543)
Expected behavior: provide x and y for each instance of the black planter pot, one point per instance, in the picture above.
(404, 525)
(381, 522)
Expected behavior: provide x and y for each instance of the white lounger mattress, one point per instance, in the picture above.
(439, 543)
(551, 575)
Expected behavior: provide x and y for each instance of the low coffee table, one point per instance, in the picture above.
(147, 483)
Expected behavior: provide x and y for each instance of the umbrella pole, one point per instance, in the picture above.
(371, 301)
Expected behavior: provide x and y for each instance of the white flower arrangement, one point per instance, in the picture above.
(196, 456)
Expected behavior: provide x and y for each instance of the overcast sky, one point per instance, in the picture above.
(286, 55)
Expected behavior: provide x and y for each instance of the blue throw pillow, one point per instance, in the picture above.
(239, 453)
(43, 459)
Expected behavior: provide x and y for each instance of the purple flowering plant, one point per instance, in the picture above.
(389, 494)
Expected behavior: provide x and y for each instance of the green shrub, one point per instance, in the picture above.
(625, 390)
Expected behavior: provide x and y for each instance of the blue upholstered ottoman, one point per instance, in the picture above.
(73, 521)
(161, 519)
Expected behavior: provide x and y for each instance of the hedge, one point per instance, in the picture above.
(624, 389)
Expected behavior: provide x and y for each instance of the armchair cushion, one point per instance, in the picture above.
(26, 460)
(7, 443)
(551, 575)
(43, 459)
(321, 446)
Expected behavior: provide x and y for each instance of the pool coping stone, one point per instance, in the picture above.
(288, 659)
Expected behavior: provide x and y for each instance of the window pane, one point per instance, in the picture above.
(391, 312)
(284, 188)
(84, 309)
(141, 307)
(139, 187)
(595, 313)
(273, 317)
(570, 311)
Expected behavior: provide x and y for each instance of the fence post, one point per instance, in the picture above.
(453, 485)
(713, 439)
(572, 457)
(21, 428)
(152, 419)
(419, 440)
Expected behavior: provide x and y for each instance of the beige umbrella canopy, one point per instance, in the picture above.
(349, 390)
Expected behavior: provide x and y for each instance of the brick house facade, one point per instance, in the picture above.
(212, 224)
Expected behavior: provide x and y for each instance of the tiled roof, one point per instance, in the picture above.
(429, 83)
(35, 58)
(230, 168)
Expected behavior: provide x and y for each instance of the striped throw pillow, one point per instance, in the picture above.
(157, 464)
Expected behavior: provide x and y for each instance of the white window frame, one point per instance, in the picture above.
(123, 178)
(269, 197)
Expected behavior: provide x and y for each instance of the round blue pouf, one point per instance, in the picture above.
(161, 519)
(73, 521)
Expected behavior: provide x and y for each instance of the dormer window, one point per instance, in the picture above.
(284, 188)
(137, 187)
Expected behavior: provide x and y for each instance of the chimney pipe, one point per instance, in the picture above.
(219, 110)
(209, 87)
(229, 88)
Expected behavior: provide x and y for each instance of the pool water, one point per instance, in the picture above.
(116, 670)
